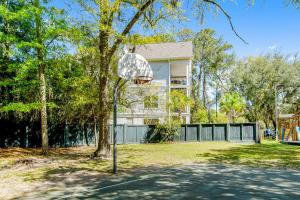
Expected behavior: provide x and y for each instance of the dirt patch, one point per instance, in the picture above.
(26, 163)
(16, 187)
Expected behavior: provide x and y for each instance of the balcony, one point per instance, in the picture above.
(178, 80)
(179, 71)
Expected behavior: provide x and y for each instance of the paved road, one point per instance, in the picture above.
(194, 181)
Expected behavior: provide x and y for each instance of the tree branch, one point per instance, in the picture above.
(228, 18)
(129, 26)
(51, 41)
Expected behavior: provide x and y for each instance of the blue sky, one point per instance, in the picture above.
(267, 25)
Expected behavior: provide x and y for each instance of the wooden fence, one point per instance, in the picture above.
(66, 135)
(239, 132)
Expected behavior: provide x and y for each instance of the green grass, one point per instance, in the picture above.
(71, 160)
(268, 154)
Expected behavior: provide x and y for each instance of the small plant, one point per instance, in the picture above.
(168, 130)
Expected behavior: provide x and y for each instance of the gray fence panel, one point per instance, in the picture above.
(181, 136)
(249, 132)
(137, 134)
(235, 132)
(219, 132)
(110, 134)
(131, 135)
(120, 136)
(177, 137)
(77, 134)
(191, 134)
(206, 133)
(141, 133)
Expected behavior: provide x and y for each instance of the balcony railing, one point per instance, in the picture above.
(178, 80)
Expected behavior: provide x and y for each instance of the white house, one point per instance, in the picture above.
(171, 64)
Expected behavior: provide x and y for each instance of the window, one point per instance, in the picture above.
(151, 102)
(151, 121)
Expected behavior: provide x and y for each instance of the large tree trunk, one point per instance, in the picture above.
(43, 109)
(103, 148)
(42, 79)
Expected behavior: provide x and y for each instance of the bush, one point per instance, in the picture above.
(168, 130)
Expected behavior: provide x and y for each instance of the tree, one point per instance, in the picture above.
(40, 46)
(111, 14)
(233, 105)
(12, 25)
(185, 35)
(200, 115)
(46, 34)
(178, 102)
(211, 56)
(255, 78)
(35, 37)
(34, 33)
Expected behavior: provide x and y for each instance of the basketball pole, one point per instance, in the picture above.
(134, 67)
(116, 87)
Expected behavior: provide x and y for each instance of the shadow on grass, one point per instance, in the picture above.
(270, 154)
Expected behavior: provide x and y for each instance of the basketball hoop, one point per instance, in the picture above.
(133, 66)
(142, 80)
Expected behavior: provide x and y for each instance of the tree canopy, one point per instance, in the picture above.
(58, 69)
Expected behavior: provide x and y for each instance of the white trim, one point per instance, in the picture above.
(169, 88)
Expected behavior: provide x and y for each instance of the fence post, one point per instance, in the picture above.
(185, 132)
(200, 132)
(241, 131)
(228, 132)
(213, 132)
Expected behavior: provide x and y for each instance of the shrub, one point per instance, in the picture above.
(168, 130)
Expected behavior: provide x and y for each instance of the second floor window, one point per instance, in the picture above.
(151, 102)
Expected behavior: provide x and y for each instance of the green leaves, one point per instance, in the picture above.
(233, 105)
(212, 58)
(255, 78)
(179, 101)
(25, 107)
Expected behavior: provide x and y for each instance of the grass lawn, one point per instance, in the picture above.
(19, 166)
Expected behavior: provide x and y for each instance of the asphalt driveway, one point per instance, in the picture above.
(193, 181)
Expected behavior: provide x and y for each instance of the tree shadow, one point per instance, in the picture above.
(196, 181)
(258, 155)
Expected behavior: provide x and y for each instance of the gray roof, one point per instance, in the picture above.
(162, 51)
